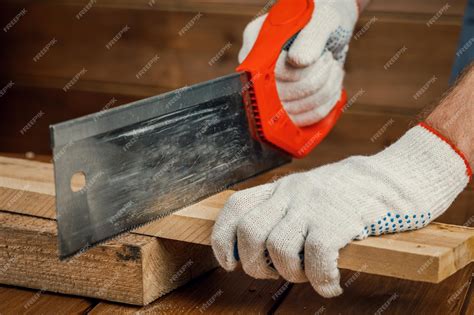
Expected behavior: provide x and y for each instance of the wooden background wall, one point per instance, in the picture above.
(385, 99)
(154, 27)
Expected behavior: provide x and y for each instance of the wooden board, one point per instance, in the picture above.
(431, 254)
(24, 301)
(134, 268)
(184, 60)
(440, 250)
(363, 294)
(257, 296)
(468, 306)
(398, 18)
(252, 7)
(369, 294)
(218, 292)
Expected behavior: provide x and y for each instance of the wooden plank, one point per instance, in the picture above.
(252, 7)
(134, 269)
(390, 71)
(448, 248)
(56, 105)
(219, 292)
(428, 7)
(184, 60)
(369, 294)
(24, 301)
(468, 307)
(28, 156)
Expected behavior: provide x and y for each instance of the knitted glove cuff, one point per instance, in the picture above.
(459, 152)
(433, 151)
(427, 171)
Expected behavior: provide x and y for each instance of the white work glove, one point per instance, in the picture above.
(309, 76)
(316, 213)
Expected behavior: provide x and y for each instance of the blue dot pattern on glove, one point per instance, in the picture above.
(337, 43)
(338, 38)
(394, 223)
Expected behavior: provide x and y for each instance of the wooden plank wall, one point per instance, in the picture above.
(151, 28)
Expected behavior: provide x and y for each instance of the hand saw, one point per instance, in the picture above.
(147, 159)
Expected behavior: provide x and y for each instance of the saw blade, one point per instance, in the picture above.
(147, 159)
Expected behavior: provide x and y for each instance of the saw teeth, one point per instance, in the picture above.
(120, 234)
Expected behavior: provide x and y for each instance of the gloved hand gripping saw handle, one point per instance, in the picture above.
(270, 121)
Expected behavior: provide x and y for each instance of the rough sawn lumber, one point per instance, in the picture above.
(431, 254)
(133, 269)
(139, 267)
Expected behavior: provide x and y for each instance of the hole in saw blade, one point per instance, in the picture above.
(78, 181)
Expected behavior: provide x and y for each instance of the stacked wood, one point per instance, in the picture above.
(147, 263)
(135, 268)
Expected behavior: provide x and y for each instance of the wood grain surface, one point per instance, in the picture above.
(218, 292)
(134, 268)
(14, 301)
(368, 294)
(387, 98)
(251, 7)
(149, 265)
(383, 30)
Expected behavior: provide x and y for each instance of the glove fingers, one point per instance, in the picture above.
(252, 234)
(327, 93)
(314, 78)
(310, 104)
(286, 245)
(321, 255)
(333, 86)
(311, 41)
(313, 116)
(250, 36)
(224, 234)
(312, 109)
(285, 72)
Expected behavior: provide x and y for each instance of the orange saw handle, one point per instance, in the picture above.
(270, 121)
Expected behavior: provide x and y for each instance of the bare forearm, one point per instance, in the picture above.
(454, 117)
